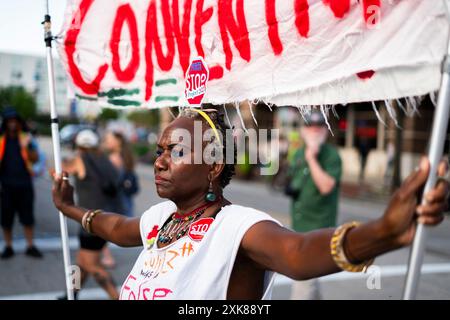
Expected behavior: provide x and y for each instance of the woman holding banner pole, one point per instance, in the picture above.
(200, 246)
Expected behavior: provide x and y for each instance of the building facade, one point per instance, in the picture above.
(30, 72)
(367, 143)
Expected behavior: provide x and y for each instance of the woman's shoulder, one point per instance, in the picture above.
(237, 212)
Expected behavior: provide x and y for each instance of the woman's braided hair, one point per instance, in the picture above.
(219, 122)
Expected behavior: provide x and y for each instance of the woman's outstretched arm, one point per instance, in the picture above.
(308, 255)
(112, 227)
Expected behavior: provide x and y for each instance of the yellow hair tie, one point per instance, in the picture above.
(211, 124)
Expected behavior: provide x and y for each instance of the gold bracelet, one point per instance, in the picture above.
(84, 219)
(90, 218)
(337, 249)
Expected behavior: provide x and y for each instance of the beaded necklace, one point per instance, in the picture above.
(179, 224)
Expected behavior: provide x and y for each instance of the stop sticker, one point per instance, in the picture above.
(196, 78)
(199, 228)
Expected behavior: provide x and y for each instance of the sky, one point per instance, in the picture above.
(20, 24)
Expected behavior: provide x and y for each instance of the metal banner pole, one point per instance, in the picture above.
(57, 150)
(437, 141)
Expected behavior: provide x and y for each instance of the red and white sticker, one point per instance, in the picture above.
(197, 77)
(199, 228)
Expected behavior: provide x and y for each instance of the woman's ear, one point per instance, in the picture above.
(215, 170)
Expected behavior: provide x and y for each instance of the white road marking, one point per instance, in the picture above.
(85, 294)
(47, 244)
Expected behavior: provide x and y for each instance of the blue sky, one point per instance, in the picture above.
(20, 24)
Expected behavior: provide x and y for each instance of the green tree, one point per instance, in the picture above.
(146, 118)
(17, 97)
(108, 114)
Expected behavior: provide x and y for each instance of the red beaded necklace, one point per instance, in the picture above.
(179, 224)
(178, 216)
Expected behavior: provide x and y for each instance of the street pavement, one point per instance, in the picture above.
(26, 278)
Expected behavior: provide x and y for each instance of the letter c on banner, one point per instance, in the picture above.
(70, 47)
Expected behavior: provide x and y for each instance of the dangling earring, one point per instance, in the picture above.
(210, 196)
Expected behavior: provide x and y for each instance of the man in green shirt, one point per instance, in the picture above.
(315, 173)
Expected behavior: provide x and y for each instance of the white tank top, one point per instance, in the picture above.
(196, 266)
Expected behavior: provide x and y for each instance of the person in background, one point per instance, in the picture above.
(96, 184)
(17, 155)
(119, 151)
(315, 173)
(121, 156)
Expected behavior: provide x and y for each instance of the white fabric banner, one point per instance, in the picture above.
(286, 52)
